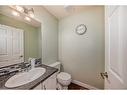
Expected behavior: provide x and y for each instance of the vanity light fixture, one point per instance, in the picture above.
(28, 12)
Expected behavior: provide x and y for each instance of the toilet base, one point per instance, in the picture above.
(61, 87)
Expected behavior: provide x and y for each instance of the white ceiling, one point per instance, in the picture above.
(61, 11)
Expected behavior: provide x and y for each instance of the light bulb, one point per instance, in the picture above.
(31, 12)
(15, 13)
(31, 15)
(27, 18)
(20, 9)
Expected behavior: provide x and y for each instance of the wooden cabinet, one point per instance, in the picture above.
(49, 84)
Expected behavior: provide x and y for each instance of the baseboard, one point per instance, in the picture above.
(84, 85)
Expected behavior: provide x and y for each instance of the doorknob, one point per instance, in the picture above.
(104, 75)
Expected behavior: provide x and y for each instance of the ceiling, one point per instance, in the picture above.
(61, 11)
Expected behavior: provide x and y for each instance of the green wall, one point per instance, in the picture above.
(32, 37)
(83, 55)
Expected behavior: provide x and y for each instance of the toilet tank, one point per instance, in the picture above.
(56, 65)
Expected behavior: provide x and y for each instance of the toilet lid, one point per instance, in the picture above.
(64, 76)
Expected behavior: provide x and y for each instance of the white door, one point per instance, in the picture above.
(17, 46)
(5, 41)
(114, 64)
(11, 45)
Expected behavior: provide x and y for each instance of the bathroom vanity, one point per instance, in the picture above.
(48, 84)
(43, 82)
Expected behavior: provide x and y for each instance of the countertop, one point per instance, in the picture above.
(31, 85)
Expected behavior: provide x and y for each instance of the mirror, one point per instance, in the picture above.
(18, 41)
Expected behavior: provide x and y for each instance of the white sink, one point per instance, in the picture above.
(25, 77)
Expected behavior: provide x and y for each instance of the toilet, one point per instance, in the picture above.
(63, 78)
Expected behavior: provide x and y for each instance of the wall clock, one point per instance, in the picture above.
(81, 29)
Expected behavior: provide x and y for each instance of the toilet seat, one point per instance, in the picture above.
(64, 76)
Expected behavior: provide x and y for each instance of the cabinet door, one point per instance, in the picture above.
(50, 83)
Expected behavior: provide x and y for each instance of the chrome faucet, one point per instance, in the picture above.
(24, 66)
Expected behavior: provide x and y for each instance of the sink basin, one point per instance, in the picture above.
(25, 77)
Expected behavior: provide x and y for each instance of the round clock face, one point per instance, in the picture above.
(81, 29)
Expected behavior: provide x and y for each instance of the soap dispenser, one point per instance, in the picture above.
(33, 63)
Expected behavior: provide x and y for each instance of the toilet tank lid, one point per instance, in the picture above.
(54, 64)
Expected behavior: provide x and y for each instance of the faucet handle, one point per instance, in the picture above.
(21, 56)
(29, 60)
